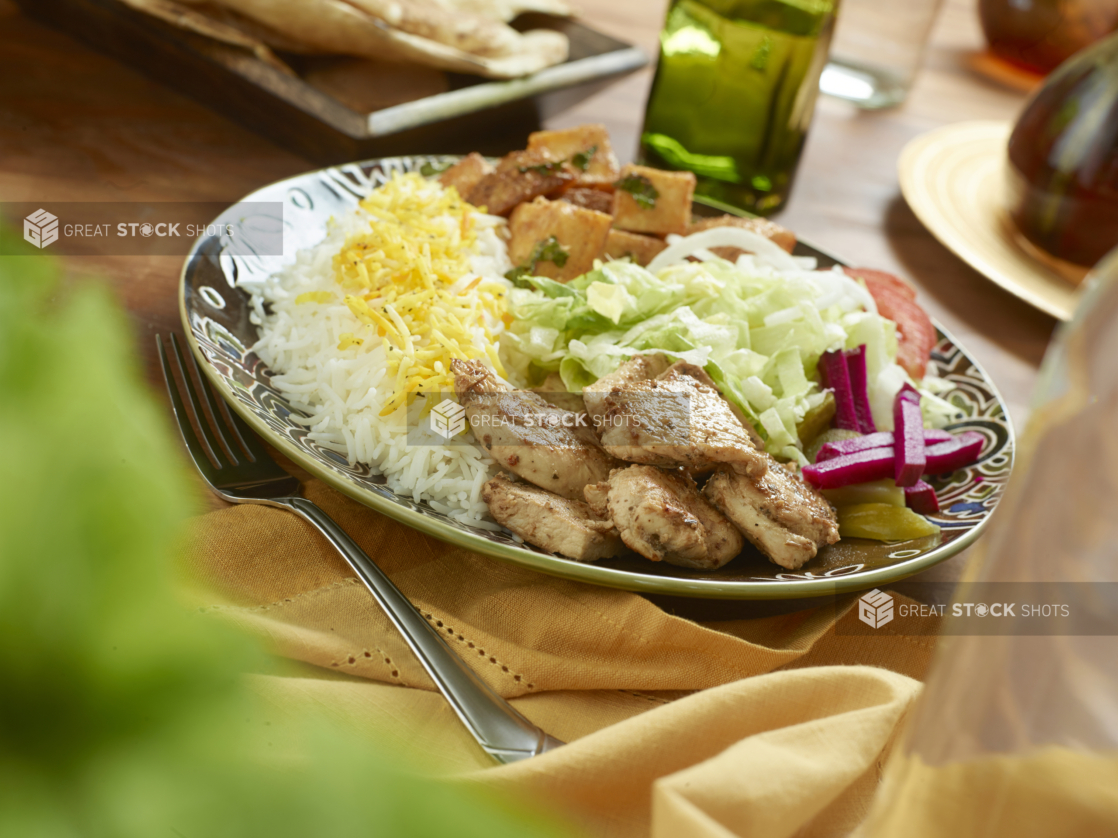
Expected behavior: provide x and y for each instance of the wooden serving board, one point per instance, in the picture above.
(315, 114)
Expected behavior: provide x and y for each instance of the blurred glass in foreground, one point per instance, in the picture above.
(122, 713)
(878, 50)
(733, 96)
(1038, 35)
(1062, 176)
(1015, 734)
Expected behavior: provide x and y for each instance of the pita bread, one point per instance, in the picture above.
(197, 21)
(341, 28)
(464, 31)
(252, 28)
(506, 10)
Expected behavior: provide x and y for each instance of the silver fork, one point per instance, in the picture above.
(245, 473)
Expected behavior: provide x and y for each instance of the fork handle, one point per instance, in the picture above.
(497, 726)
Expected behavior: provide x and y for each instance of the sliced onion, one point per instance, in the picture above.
(764, 249)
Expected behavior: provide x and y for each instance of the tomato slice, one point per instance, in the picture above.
(881, 279)
(896, 300)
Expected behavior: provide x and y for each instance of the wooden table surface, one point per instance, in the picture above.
(77, 126)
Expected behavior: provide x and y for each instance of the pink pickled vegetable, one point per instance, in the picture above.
(881, 439)
(908, 438)
(859, 386)
(860, 467)
(948, 456)
(836, 377)
(944, 453)
(909, 392)
(921, 498)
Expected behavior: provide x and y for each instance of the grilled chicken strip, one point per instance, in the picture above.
(558, 525)
(554, 391)
(661, 515)
(634, 371)
(678, 417)
(640, 368)
(543, 444)
(782, 516)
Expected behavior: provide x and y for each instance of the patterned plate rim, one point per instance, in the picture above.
(815, 586)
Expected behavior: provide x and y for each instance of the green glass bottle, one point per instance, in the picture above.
(733, 95)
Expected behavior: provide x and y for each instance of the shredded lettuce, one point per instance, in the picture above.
(758, 330)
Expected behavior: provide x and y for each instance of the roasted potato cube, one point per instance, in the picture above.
(580, 237)
(564, 145)
(595, 199)
(781, 236)
(640, 249)
(520, 176)
(466, 173)
(653, 201)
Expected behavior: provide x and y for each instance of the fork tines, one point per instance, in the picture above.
(197, 407)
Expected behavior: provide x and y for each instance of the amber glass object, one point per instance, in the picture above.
(1041, 34)
(1063, 159)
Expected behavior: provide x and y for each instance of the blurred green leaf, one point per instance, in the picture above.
(122, 713)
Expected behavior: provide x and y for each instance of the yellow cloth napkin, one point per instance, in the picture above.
(766, 727)
(1033, 793)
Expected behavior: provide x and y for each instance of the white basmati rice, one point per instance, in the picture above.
(343, 391)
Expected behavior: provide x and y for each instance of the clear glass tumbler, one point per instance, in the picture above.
(1017, 733)
(877, 50)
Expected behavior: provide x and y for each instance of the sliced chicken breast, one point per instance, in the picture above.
(553, 448)
(633, 372)
(554, 391)
(782, 516)
(640, 368)
(678, 417)
(558, 525)
(661, 515)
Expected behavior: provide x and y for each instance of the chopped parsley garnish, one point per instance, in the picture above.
(548, 250)
(545, 169)
(430, 169)
(641, 188)
(581, 161)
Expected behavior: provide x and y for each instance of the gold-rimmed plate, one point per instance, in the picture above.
(954, 180)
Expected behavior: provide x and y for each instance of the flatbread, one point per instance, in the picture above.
(253, 28)
(342, 28)
(466, 31)
(197, 21)
(506, 10)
